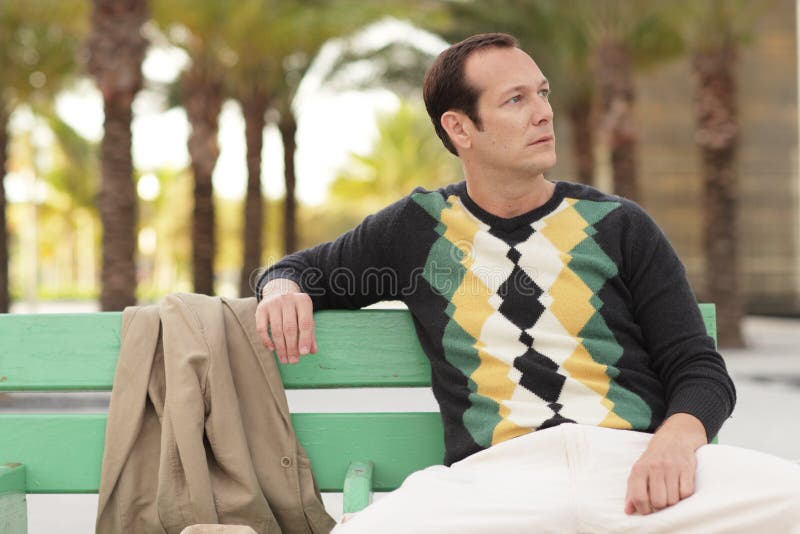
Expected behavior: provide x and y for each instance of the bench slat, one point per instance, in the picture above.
(362, 348)
(45, 352)
(78, 352)
(63, 453)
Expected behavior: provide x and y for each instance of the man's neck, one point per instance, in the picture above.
(510, 198)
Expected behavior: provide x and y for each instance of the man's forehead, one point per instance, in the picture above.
(496, 68)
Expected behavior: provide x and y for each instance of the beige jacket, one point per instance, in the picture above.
(199, 428)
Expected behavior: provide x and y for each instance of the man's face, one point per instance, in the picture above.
(515, 133)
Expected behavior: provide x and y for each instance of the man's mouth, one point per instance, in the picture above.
(543, 139)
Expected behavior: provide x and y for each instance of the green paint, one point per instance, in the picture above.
(357, 486)
(79, 352)
(13, 513)
(12, 478)
(399, 443)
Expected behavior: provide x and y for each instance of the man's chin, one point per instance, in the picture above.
(544, 163)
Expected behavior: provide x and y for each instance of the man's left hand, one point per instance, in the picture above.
(664, 473)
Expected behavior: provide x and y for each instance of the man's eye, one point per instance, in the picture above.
(516, 98)
(544, 93)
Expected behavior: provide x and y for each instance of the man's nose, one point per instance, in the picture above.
(542, 114)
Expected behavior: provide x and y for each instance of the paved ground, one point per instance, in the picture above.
(767, 376)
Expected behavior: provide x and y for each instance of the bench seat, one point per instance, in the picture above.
(354, 453)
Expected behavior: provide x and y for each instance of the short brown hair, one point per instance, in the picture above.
(446, 87)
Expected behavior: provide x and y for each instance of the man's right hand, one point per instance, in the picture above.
(285, 320)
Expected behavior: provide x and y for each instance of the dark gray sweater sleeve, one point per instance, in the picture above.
(357, 269)
(684, 356)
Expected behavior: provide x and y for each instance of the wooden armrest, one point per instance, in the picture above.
(357, 486)
(13, 512)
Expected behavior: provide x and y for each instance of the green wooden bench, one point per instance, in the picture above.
(353, 453)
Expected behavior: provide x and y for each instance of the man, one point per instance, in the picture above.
(538, 304)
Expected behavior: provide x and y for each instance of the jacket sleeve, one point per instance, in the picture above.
(357, 269)
(682, 354)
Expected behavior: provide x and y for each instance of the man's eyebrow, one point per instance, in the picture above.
(523, 87)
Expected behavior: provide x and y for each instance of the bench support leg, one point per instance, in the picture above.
(13, 506)
(358, 486)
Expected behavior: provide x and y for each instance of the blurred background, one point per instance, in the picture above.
(153, 146)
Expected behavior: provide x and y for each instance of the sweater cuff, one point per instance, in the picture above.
(704, 402)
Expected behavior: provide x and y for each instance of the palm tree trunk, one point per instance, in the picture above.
(5, 299)
(288, 128)
(616, 95)
(118, 207)
(254, 106)
(116, 50)
(203, 96)
(580, 111)
(717, 136)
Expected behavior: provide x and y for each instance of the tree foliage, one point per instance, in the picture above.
(406, 154)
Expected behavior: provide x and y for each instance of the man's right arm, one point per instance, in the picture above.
(337, 274)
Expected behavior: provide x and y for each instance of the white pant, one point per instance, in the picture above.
(572, 479)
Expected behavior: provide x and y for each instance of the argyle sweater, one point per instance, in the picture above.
(577, 311)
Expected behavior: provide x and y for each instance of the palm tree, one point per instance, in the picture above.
(4, 280)
(313, 28)
(202, 95)
(715, 30)
(200, 29)
(116, 51)
(254, 108)
(623, 37)
(260, 32)
(39, 42)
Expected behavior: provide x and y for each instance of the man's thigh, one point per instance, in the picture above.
(521, 485)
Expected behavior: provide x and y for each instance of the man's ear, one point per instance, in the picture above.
(455, 124)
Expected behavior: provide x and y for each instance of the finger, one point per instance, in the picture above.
(686, 484)
(657, 487)
(314, 347)
(276, 330)
(290, 328)
(305, 323)
(637, 499)
(673, 486)
(630, 508)
(262, 327)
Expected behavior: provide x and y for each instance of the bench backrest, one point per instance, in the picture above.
(365, 348)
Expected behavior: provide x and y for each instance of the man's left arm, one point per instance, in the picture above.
(698, 391)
